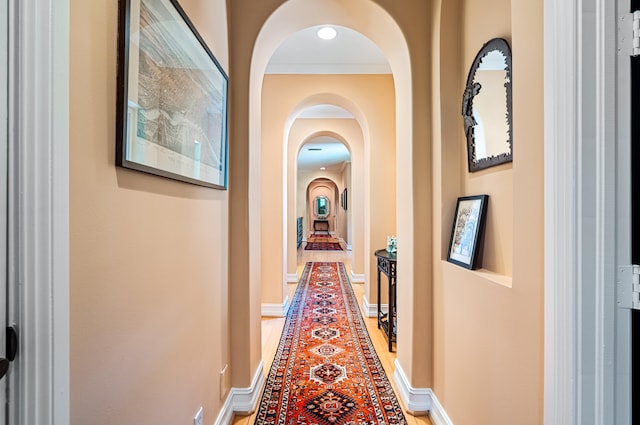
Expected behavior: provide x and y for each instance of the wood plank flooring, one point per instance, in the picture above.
(272, 330)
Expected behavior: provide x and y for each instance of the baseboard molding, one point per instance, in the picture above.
(243, 401)
(226, 412)
(276, 310)
(349, 247)
(292, 278)
(437, 414)
(416, 400)
(357, 278)
(371, 310)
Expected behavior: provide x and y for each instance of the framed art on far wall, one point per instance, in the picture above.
(172, 96)
(343, 198)
(467, 232)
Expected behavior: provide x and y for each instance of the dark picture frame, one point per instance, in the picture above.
(343, 199)
(467, 233)
(172, 100)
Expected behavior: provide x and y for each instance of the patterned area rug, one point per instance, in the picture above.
(323, 246)
(326, 371)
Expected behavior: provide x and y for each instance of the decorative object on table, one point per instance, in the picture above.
(326, 370)
(172, 96)
(467, 234)
(486, 107)
(392, 244)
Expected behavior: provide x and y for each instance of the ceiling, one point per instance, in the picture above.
(305, 53)
(349, 52)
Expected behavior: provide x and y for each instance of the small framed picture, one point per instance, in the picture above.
(468, 231)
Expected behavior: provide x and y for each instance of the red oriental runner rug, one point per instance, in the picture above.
(323, 246)
(326, 371)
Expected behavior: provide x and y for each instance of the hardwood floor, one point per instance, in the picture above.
(272, 330)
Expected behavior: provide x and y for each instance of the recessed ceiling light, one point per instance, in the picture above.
(327, 33)
(323, 168)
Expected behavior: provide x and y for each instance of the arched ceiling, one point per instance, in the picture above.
(349, 52)
(323, 151)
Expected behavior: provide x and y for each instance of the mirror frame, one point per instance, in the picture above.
(471, 90)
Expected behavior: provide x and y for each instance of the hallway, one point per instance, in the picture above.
(272, 330)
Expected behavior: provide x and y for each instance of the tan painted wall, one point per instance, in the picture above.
(351, 226)
(488, 331)
(149, 286)
(343, 215)
(374, 97)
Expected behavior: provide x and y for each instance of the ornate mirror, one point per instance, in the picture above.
(321, 207)
(486, 107)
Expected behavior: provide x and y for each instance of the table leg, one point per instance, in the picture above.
(378, 318)
(390, 315)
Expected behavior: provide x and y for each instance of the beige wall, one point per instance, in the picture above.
(343, 215)
(350, 231)
(149, 287)
(373, 162)
(489, 325)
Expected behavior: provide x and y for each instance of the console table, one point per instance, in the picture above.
(321, 225)
(387, 321)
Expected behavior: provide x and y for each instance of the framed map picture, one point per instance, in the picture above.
(172, 96)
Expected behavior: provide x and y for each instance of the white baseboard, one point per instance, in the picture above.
(349, 247)
(226, 413)
(357, 278)
(371, 310)
(437, 414)
(416, 400)
(276, 310)
(242, 400)
(292, 278)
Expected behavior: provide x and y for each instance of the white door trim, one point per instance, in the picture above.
(561, 128)
(4, 131)
(580, 214)
(41, 182)
(623, 231)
